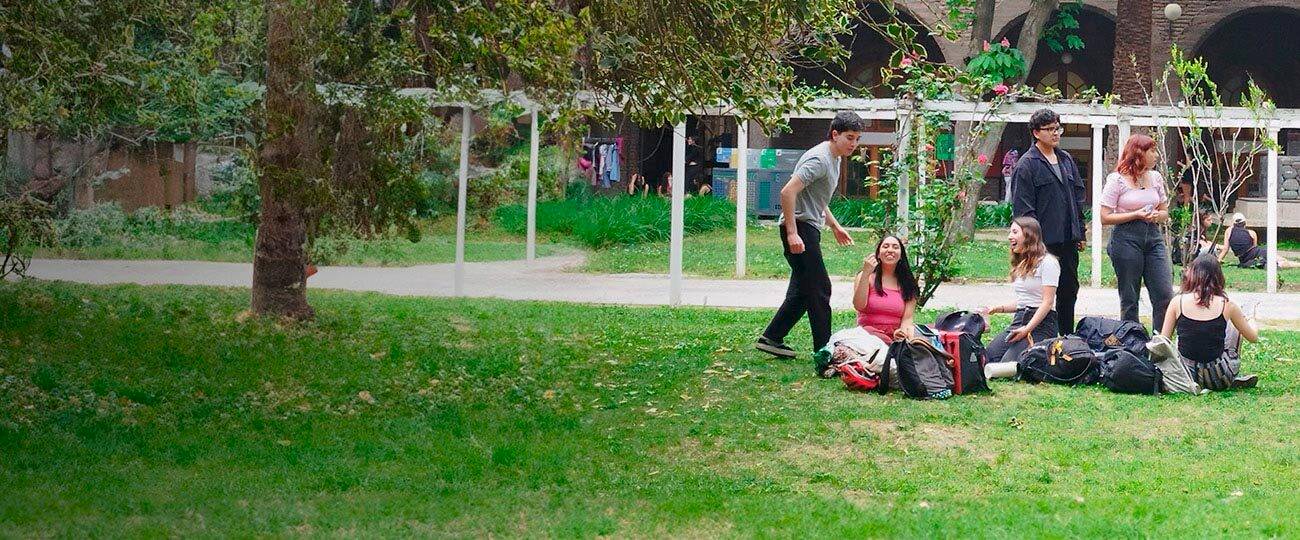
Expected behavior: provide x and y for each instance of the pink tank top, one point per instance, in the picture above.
(884, 313)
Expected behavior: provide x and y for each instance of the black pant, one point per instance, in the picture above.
(809, 290)
(1001, 351)
(1137, 251)
(1067, 292)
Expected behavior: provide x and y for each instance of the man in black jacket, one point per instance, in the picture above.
(1046, 185)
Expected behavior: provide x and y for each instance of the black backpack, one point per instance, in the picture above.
(1127, 374)
(1104, 334)
(962, 321)
(922, 369)
(1061, 360)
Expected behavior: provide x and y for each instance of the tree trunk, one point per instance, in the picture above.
(286, 158)
(1030, 33)
(1131, 63)
(1132, 60)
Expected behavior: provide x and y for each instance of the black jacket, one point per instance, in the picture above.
(1057, 204)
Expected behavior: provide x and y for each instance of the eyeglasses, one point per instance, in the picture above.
(1055, 131)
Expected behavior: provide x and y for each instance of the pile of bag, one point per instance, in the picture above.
(935, 364)
(1106, 351)
(949, 359)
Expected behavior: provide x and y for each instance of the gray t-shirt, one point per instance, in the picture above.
(1056, 169)
(819, 170)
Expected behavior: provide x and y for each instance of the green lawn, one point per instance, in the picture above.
(418, 417)
(714, 255)
(227, 242)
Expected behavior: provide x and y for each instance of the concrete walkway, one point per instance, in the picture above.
(554, 279)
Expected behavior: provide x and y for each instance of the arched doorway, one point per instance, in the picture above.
(1258, 44)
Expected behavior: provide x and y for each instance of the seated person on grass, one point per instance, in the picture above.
(1035, 274)
(885, 292)
(1244, 243)
(1208, 346)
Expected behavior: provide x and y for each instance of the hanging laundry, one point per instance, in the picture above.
(614, 175)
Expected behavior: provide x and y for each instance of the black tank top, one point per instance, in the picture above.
(1242, 246)
(1201, 341)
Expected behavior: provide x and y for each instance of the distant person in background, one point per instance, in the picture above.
(1008, 166)
(637, 184)
(1244, 243)
(666, 185)
(694, 164)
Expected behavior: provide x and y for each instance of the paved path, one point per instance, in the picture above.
(554, 278)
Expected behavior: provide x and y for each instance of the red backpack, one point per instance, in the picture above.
(968, 361)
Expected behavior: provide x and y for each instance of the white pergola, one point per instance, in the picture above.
(1096, 116)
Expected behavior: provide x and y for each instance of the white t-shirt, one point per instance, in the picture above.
(1029, 289)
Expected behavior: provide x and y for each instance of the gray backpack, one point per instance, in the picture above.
(923, 371)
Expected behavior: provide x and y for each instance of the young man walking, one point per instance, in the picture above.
(1047, 186)
(804, 212)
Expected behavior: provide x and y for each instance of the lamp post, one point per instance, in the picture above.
(1172, 12)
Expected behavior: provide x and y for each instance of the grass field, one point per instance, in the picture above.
(227, 241)
(133, 411)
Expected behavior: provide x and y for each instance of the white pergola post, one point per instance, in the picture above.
(534, 139)
(678, 218)
(904, 130)
(466, 125)
(1272, 211)
(1125, 129)
(742, 193)
(1097, 177)
(920, 167)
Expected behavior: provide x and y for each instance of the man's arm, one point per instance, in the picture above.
(1080, 191)
(788, 194)
(841, 235)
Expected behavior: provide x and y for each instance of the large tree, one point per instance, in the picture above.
(656, 59)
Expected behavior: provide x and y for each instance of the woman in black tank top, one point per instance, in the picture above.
(1198, 340)
(1245, 245)
(1209, 348)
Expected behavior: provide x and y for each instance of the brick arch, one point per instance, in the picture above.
(1093, 7)
(1211, 18)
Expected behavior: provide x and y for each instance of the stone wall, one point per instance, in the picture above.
(1289, 170)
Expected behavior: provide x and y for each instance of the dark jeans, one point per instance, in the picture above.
(809, 291)
(1138, 252)
(1067, 292)
(1001, 351)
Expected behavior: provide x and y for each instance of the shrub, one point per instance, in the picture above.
(106, 224)
(607, 221)
(993, 216)
(860, 212)
(234, 191)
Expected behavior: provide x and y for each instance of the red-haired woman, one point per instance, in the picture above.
(1134, 201)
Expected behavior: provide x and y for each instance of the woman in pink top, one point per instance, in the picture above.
(1134, 201)
(885, 292)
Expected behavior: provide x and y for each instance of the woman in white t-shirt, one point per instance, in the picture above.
(1134, 201)
(1034, 277)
